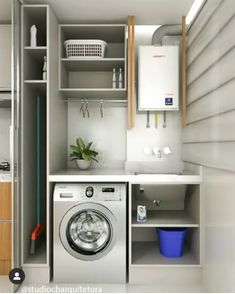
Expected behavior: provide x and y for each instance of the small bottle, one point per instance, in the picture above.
(33, 36)
(141, 213)
(44, 74)
(120, 79)
(114, 80)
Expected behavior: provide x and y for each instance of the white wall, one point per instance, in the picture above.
(140, 137)
(108, 133)
(209, 138)
(5, 121)
(219, 220)
(112, 140)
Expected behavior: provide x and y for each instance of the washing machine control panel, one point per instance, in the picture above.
(103, 192)
(89, 191)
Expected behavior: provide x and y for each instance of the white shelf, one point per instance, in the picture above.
(146, 254)
(167, 218)
(37, 84)
(35, 81)
(102, 93)
(37, 53)
(104, 64)
(35, 48)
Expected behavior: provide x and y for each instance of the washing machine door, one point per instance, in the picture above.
(87, 231)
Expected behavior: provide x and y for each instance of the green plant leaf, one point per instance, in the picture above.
(75, 148)
(92, 153)
(94, 159)
(81, 144)
(86, 156)
(83, 151)
(88, 147)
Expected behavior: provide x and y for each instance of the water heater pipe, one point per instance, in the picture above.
(165, 30)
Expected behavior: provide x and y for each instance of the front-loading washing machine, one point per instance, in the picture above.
(89, 233)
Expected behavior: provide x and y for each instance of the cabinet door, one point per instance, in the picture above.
(5, 57)
(5, 201)
(5, 267)
(5, 241)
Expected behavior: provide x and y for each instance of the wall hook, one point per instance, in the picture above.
(164, 119)
(82, 109)
(101, 108)
(87, 110)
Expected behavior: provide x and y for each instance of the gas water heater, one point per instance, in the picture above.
(158, 78)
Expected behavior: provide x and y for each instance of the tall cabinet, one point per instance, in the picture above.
(53, 135)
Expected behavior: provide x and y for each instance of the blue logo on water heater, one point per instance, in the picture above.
(168, 101)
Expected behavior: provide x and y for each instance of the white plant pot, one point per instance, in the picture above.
(83, 164)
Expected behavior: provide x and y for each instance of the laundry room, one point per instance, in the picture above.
(116, 157)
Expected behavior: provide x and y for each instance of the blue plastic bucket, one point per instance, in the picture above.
(171, 241)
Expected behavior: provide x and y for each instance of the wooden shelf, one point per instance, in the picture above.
(102, 93)
(104, 64)
(167, 218)
(146, 254)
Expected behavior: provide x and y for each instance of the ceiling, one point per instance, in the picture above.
(147, 12)
(5, 11)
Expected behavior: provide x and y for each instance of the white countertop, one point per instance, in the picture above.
(5, 176)
(121, 175)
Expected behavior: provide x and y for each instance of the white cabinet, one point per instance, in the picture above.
(5, 57)
(178, 206)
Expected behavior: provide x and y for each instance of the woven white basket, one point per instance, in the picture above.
(85, 48)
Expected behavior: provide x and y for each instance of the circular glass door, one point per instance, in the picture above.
(87, 231)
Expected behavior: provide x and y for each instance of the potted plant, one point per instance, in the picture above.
(83, 154)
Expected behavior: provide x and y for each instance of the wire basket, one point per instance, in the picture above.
(85, 48)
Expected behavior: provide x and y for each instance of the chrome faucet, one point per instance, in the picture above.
(158, 152)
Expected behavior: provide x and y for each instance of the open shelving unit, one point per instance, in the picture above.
(166, 218)
(146, 254)
(178, 207)
(92, 78)
(53, 142)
